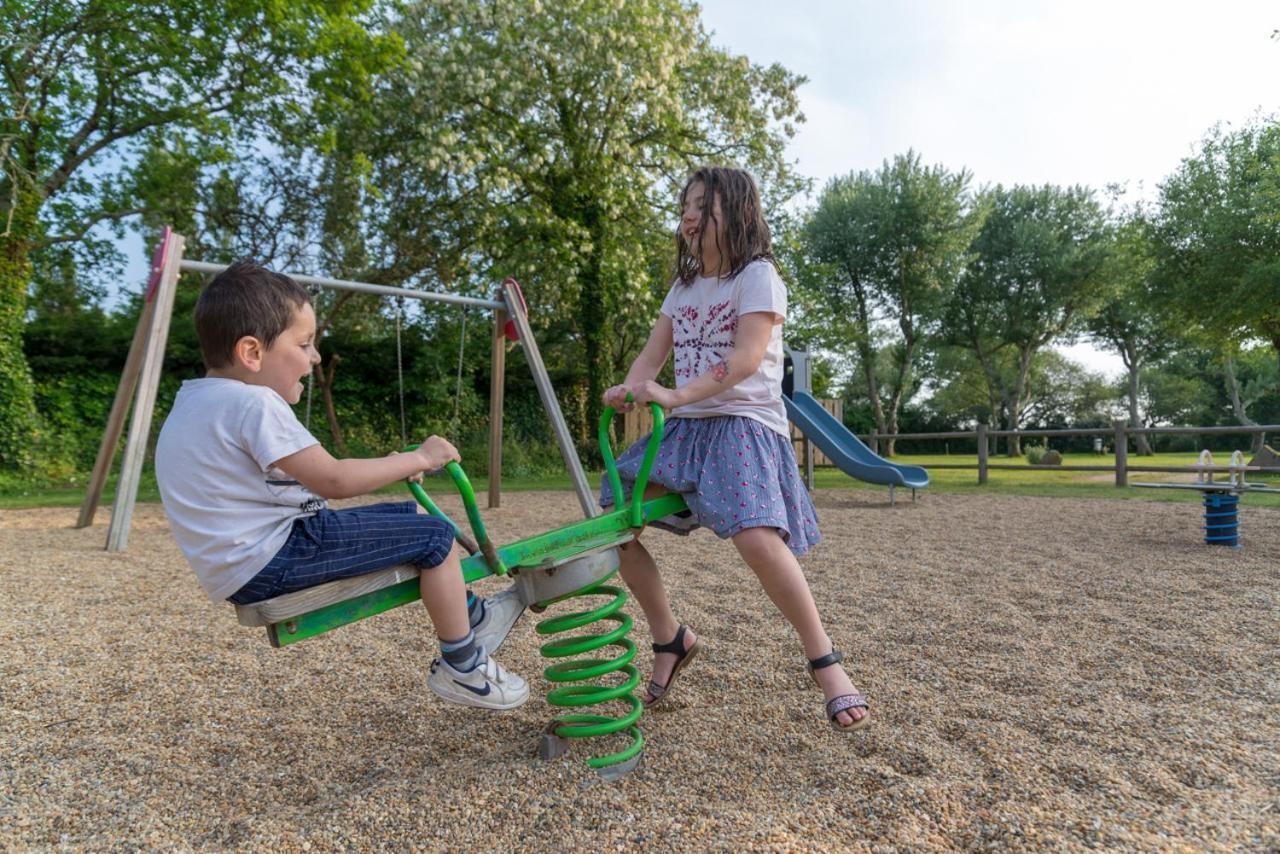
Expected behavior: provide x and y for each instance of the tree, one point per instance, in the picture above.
(893, 243)
(548, 141)
(1131, 320)
(1065, 394)
(86, 82)
(1217, 237)
(1034, 276)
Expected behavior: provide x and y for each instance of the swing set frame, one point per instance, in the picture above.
(140, 379)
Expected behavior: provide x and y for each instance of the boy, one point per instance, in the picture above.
(244, 485)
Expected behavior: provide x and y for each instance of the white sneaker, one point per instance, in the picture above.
(500, 613)
(488, 686)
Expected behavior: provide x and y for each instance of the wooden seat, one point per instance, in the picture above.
(542, 576)
(281, 608)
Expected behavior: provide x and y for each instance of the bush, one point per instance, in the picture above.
(1035, 453)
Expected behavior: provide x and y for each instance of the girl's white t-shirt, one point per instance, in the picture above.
(704, 320)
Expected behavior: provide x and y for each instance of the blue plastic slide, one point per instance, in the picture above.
(845, 449)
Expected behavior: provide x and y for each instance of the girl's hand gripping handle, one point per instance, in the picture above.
(642, 477)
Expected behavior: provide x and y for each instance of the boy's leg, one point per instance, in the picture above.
(445, 595)
(783, 581)
(465, 673)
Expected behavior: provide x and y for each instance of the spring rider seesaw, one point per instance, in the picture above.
(1221, 497)
(569, 563)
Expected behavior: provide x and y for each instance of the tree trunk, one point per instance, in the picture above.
(867, 355)
(330, 413)
(592, 322)
(1134, 363)
(899, 393)
(1238, 407)
(1018, 400)
(19, 423)
(994, 421)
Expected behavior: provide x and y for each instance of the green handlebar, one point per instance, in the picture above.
(463, 484)
(468, 496)
(646, 465)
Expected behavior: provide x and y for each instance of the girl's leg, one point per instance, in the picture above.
(640, 573)
(784, 582)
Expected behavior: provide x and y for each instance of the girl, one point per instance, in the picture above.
(727, 446)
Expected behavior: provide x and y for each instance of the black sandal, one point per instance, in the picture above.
(844, 702)
(683, 657)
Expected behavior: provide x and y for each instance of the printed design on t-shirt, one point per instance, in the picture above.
(286, 490)
(700, 341)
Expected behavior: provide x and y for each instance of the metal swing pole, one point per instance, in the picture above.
(515, 308)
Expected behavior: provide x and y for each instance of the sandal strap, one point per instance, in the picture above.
(833, 657)
(675, 646)
(844, 703)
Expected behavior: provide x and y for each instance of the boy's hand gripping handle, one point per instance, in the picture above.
(468, 495)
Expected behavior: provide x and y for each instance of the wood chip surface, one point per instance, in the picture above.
(1044, 673)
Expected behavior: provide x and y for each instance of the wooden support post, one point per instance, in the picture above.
(497, 381)
(1122, 452)
(135, 448)
(124, 391)
(983, 451)
(115, 421)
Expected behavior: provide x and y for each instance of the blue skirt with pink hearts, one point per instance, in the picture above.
(734, 473)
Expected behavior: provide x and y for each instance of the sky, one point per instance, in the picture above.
(1029, 92)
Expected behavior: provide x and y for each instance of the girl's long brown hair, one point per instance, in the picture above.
(745, 231)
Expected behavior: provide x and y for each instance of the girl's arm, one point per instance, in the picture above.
(647, 365)
(749, 344)
(317, 470)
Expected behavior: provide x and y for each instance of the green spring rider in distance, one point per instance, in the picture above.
(571, 563)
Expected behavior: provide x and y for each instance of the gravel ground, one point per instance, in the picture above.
(1044, 673)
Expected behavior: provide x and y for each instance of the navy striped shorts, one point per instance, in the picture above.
(335, 544)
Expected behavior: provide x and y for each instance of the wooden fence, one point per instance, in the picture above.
(1118, 434)
(639, 422)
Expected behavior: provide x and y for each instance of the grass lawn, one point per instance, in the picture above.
(1047, 481)
(1043, 481)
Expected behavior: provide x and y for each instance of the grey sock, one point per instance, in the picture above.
(463, 655)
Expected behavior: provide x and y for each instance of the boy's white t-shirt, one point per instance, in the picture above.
(704, 320)
(228, 508)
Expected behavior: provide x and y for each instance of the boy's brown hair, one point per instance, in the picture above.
(745, 231)
(244, 299)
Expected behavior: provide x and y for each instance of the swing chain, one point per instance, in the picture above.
(457, 389)
(313, 291)
(404, 432)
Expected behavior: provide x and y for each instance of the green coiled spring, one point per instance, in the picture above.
(589, 725)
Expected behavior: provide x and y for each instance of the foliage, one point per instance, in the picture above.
(87, 82)
(1033, 278)
(1217, 237)
(887, 248)
(1132, 320)
(546, 141)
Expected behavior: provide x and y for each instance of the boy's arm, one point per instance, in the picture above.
(749, 344)
(317, 470)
